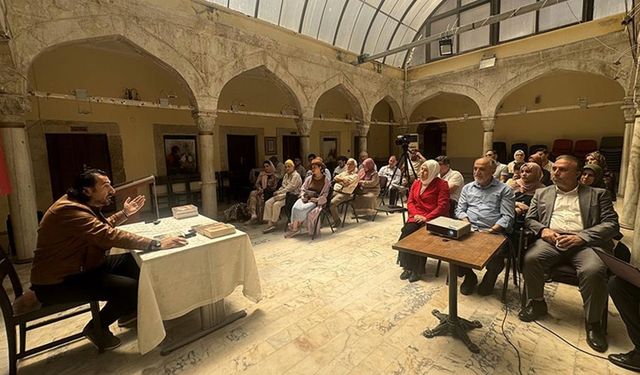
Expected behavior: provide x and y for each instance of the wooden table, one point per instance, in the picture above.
(473, 251)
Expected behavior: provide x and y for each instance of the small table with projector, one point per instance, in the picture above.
(473, 251)
(200, 275)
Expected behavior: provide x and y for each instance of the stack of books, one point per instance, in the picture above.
(183, 212)
(215, 230)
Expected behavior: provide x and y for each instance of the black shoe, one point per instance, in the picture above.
(129, 320)
(468, 286)
(414, 277)
(486, 285)
(630, 361)
(101, 339)
(405, 274)
(534, 311)
(596, 338)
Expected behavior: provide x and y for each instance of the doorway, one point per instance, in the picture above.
(291, 147)
(241, 153)
(70, 154)
(432, 140)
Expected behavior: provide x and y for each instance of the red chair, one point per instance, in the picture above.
(584, 146)
(562, 147)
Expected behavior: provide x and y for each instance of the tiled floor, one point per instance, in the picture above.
(336, 306)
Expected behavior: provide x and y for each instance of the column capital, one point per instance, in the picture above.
(363, 128)
(304, 126)
(629, 109)
(206, 121)
(13, 107)
(488, 123)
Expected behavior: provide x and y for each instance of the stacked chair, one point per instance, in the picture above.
(584, 146)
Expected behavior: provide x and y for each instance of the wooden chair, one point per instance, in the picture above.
(15, 318)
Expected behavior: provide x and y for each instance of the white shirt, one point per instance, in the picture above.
(388, 172)
(455, 181)
(566, 212)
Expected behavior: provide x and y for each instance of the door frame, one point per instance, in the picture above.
(237, 130)
(37, 131)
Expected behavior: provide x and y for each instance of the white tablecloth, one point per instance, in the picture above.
(176, 281)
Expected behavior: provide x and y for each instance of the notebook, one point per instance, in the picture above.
(620, 268)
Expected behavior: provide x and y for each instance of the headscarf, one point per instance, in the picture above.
(433, 168)
(528, 188)
(368, 167)
(353, 162)
(518, 152)
(289, 162)
(598, 173)
(265, 174)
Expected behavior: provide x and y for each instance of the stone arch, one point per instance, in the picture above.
(276, 70)
(600, 68)
(398, 115)
(355, 96)
(47, 35)
(417, 104)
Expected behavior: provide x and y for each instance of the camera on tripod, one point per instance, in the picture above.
(407, 141)
(403, 140)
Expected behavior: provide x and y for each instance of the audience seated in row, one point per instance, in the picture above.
(345, 183)
(428, 199)
(313, 195)
(518, 157)
(454, 179)
(393, 174)
(500, 168)
(266, 184)
(366, 201)
(291, 182)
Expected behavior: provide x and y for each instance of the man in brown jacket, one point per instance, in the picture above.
(70, 262)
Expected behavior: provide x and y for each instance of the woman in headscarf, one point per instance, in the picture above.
(518, 157)
(592, 176)
(313, 196)
(428, 199)
(368, 189)
(266, 184)
(608, 179)
(291, 182)
(344, 185)
(523, 188)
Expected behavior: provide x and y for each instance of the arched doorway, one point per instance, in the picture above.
(433, 139)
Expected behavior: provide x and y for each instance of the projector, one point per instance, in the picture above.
(447, 227)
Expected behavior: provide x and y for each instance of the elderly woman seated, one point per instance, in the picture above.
(344, 185)
(266, 184)
(368, 190)
(313, 196)
(525, 186)
(592, 176)
(291, 182)
(428, 199)
(608, 179)
(518, 157)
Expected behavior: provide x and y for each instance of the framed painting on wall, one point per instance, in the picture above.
(180, 152)
(270, 145)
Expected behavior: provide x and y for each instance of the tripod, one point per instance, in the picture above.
(404, 164)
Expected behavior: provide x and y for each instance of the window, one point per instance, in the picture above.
(519, 26)
(475, 38)
(603, 8)
(560, 15)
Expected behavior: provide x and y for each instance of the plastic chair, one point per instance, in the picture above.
(584, 146)
(562, 147)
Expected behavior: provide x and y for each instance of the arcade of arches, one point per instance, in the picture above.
(129, 77)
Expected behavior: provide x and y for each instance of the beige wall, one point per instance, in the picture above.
(561, 89)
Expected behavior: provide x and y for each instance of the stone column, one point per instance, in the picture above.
(363, 133)
(632, 186)
(629, 111)
(22, 200)
(304, 129)
(206, 125)
(488, 124)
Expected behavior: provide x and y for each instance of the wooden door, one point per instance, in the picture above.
(291, 147)
(432, 145)
(70, 154)
(241, 151)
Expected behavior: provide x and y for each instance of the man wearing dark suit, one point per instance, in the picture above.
(571, 220)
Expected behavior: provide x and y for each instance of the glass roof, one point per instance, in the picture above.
(360, 26)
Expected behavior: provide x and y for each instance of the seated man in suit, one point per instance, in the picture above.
(489, 206)
(570, 220)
